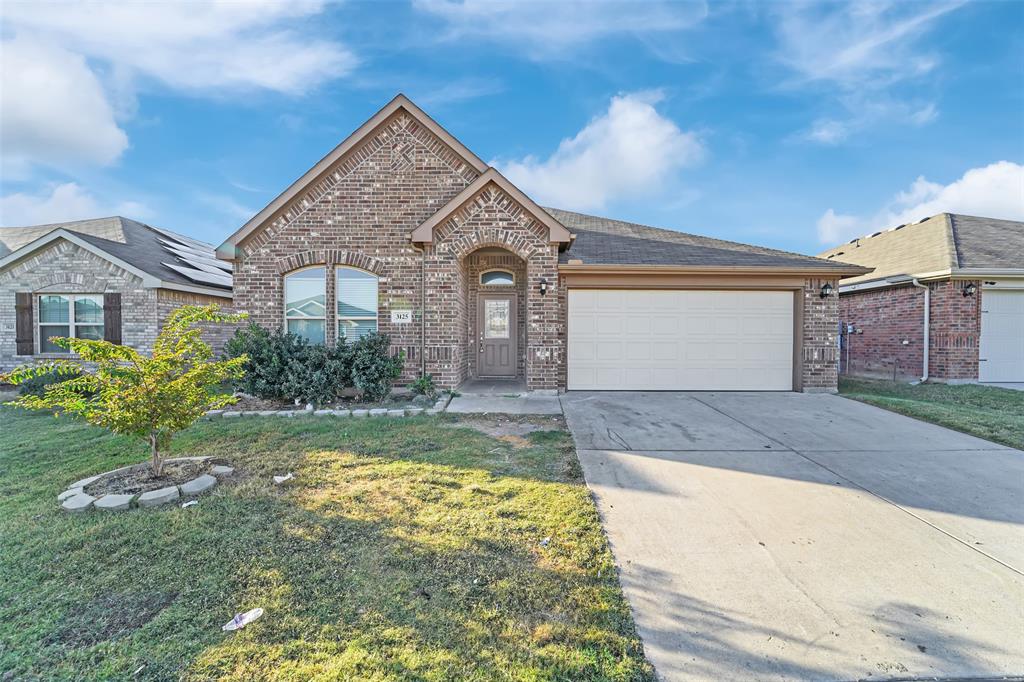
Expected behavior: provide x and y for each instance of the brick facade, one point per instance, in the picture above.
(889, 341)
(819, 355)
(66, 268)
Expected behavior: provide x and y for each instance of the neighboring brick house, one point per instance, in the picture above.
(403, 230)
(110, 278)
(971, 272)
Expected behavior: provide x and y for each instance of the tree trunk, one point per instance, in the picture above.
(158, 461)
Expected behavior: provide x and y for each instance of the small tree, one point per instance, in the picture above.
(150, 397)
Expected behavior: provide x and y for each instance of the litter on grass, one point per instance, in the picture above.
(545, 541)
(189, 504)
(242, 619)
(278, 480)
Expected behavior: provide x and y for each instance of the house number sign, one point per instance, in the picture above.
(401, 316)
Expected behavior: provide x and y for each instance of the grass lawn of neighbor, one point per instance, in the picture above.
(404, 549)
(996, 414)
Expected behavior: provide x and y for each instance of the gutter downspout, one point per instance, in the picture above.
(927, 325)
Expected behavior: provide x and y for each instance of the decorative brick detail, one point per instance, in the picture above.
(819, 371)
(333, 257)
(890, 337)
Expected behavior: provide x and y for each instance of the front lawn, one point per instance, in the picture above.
(404, 549)
(996, 414)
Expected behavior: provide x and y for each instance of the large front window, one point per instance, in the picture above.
(78, 316)
(356, 293)
(305, 303)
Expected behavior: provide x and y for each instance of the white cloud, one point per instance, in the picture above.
(53, 110)
(72, 70)
(61, 203)
(864, 54)
(857, 44)
(544, 29)
(630, 150)
(994, 191)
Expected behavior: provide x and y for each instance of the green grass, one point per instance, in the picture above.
(403, 550)
(996, 414)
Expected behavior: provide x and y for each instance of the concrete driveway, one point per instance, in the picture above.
(791, 536)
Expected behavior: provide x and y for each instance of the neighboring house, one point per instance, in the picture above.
(403, 230)
(109, 278)
(945, 301)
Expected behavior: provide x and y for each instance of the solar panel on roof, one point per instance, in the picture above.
(191, 258)
(200, 276)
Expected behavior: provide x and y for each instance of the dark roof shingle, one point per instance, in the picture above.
(602, 241)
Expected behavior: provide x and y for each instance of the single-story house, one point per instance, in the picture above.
(107, 278)
(404, 230)
(945, 301)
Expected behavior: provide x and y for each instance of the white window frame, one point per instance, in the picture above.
(510, 273)
(284, 297)
(71, 324)
(338, 319)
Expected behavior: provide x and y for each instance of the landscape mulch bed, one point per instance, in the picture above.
(140, 478)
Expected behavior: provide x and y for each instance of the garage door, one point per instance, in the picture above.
(1002, 336)
(680, 340)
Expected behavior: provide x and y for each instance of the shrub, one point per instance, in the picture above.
(150, 397)
(270, 355)
(318, 374)
(424, 386)
(36, 385)
(373, 368)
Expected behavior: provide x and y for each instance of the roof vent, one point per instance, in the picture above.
(874, 234)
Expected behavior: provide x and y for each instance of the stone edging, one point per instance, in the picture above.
(75, 499)
(440, 406)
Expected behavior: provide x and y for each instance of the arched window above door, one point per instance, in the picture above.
(497, 278)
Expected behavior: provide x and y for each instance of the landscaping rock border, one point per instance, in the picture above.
(75, 499)
(440, 406)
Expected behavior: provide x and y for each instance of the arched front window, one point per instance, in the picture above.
(305, 303)
(356, 294)
(497, 278)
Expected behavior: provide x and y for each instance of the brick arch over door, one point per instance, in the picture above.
(330, 258)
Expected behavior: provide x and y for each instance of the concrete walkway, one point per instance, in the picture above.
(502, 396)
(780, 536)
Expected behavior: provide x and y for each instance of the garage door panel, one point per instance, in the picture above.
(680, 340)
(1001, 349)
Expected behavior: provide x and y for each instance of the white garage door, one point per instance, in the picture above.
(1002, 336)
(680, 340)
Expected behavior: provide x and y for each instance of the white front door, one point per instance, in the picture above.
(1001, 351)
(680, 340)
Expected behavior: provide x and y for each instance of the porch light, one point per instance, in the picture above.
(543, 286)
(826, 290)
(969, 289)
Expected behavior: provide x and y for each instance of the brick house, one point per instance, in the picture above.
(944, 302)
(401, 229)
(110, 278)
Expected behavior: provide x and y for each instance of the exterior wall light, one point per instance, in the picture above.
(969, 289)
(543, 286)
(826, 290)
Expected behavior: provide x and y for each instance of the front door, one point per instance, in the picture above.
(496, 332)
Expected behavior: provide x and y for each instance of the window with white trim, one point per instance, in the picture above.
(78, 316)
(355, 292)
(497, 278)
(305, 303)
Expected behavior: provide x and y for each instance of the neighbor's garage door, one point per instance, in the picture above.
(680, 340)
(1002, 336)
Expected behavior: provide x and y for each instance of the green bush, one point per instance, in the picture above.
(373, 368)
(271, 355)
(424, 386)
(318, 374)
(36, 385)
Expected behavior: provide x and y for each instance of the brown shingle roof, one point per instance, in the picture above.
(602, 241)
(945, 242)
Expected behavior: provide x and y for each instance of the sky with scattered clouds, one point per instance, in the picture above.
(795, 125)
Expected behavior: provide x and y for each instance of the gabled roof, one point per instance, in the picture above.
(161, 258)
(942, 245)
(556, 231)
(324, 165)
(602, 241)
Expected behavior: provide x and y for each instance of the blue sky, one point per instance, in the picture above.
(792, 125)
